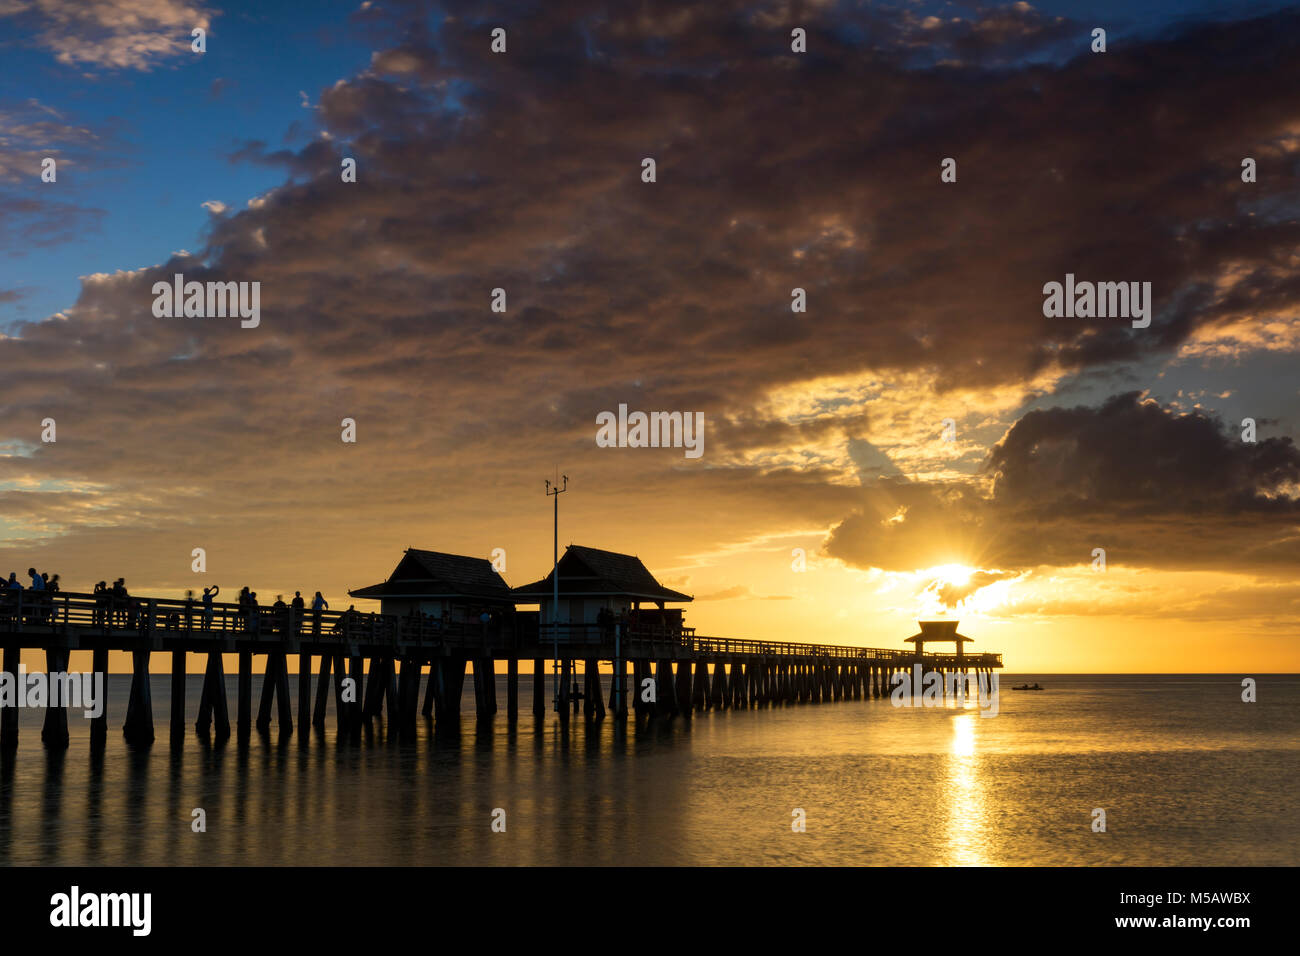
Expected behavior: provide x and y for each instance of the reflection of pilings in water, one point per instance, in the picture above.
(52, 800)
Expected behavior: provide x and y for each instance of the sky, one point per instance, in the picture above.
(922, 440)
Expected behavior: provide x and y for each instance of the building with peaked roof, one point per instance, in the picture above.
(592, 580)
(434, 582)
(937, 632)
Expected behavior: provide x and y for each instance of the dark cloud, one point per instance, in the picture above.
(522, 171)
(1153, 488)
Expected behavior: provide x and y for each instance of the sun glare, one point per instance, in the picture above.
(958, 574)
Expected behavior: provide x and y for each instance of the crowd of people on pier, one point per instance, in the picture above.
(115, 607)
(35, 599)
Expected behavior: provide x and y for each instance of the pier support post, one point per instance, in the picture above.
(177, 721)
(432, 689)
(639, 674)
(512, 689)
(54, 733)
(665, 693)
(244, 699)
(453, 688)
(138, 727)
(411, 668)
(393, 703)
(340, 708)
(565, 678)
(304, 693)
(9, 715)
(700, 686)
(539, 688)
(371, 705)
(618, 690)
(282, 691)
(268, 694)
(485, 679)
(99, 725)
(588, 686)
(322, 692)
(594, 699)
(682, 679)
(220, 709)
(356, 671)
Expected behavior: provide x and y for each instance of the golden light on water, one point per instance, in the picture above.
(964, 795)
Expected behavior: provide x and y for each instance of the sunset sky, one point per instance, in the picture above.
(775, 171)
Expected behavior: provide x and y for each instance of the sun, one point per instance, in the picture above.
(958, 574)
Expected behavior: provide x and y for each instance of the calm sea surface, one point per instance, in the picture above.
(1186, 772)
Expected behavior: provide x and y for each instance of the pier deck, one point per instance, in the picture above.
(673, 672)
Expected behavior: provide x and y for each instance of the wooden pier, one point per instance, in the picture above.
(658, 672)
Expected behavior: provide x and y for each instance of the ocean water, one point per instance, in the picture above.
(1186, 773)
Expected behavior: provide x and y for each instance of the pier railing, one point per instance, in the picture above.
(62, 612)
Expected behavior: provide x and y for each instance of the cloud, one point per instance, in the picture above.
(774, 172)
(1152, 487)
(740, 591)
(113, 34)
(951, 595)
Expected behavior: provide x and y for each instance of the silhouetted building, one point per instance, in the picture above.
(592, 580)
(938, 632)
(435, 582)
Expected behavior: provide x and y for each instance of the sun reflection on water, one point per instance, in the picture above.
(964, 791)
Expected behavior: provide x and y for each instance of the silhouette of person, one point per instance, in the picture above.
(208, 595)
(318, 603)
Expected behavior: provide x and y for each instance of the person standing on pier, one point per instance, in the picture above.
(254, 621)
(318, 604)
(280, 616)
(208, 595)
(297, 604)
(100, 593)
(37, 588)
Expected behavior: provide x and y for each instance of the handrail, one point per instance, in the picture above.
(48, 612)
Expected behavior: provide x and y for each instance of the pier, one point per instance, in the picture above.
(405, 667)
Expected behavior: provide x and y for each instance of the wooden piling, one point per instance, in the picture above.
(282, 691)
(682, 680)
(322, 691)
(304, 693)
(618, 689)
(565, 678)
(340, 708)
(592, 670)
(539, 688)
(700, 686)
(138, 727)
(54, 733)
(9, 715)
(356, 671)
(391, 700)
(268, 694)
(244, 698)
(431, 690)
(639, 669)
(453, 688)
(178, 695)
(98, 725)
(371, 705)
(482, 678)
(512, 689)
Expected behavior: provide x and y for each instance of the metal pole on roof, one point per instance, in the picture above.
(555, 584)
